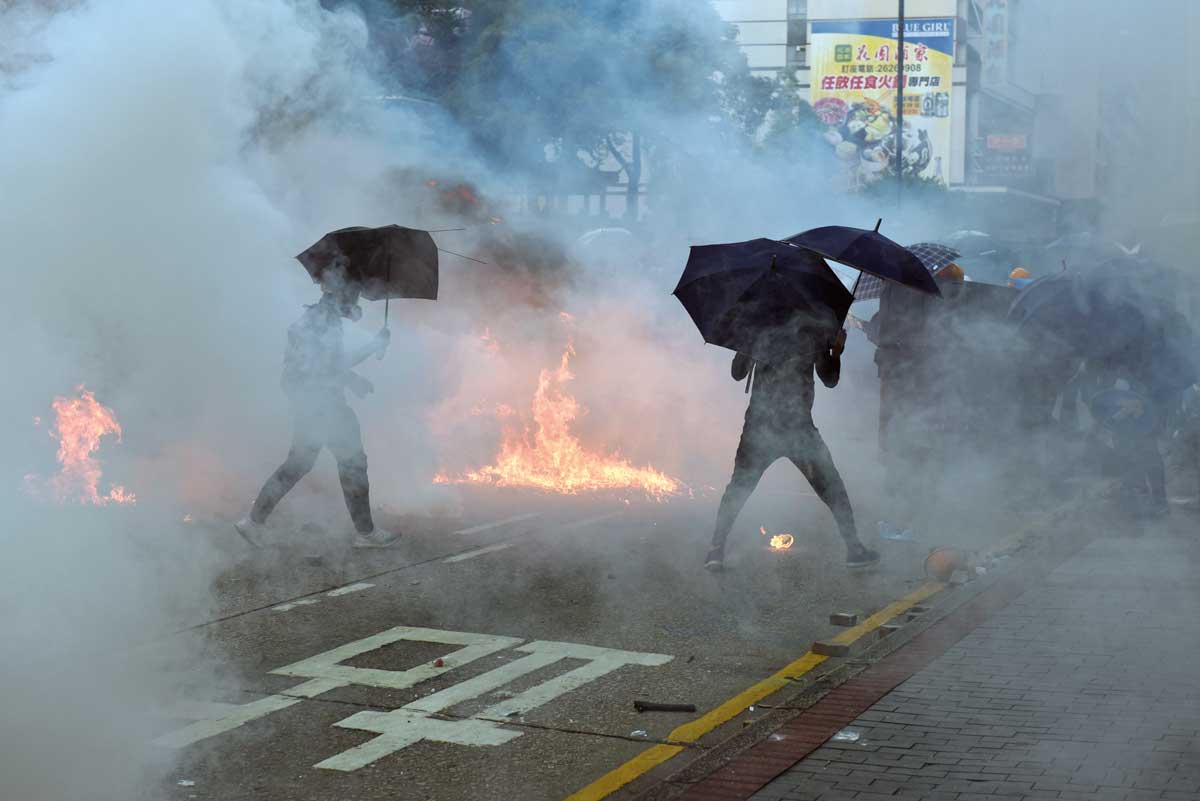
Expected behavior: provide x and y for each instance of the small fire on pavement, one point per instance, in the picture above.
(547, 455)
(80, 423)
(778, 542)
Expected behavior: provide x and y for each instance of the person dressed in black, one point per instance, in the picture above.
(779, 424)
(317, 371)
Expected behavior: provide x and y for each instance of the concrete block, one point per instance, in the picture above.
(844, 619)
(830, 648)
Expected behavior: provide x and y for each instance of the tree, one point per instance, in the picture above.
(589, 80)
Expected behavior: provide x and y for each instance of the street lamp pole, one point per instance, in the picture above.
(900, 103)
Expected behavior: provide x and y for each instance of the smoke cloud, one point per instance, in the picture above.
(161, 170)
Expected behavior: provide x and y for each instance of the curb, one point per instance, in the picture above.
(835, 699)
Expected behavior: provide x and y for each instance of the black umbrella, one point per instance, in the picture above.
(933, 255)
(388, 262)
(869, 251)
(767, 299)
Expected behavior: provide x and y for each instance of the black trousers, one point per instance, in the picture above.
(760, 447)
(1144, 468)
(322, 423)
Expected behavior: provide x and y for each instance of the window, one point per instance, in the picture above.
(797, 32)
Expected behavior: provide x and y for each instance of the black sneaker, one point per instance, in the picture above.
(715, 561)
(861, 556)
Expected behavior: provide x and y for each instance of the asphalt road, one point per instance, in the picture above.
(550, 617)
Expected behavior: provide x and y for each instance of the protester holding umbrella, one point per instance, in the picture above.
(780, 307)
(373, 263)
(779, 424)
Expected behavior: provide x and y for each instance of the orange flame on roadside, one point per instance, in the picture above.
(549, 457)
(778, 542)
(80, 424)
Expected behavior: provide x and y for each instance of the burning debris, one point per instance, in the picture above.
(80, 424)
(548, 456)
(778, 542)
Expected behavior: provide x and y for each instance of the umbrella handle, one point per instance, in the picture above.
(386, 304)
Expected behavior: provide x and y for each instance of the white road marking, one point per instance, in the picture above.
(413, 722)
(360, 586)
(293, 604)
(462, 557)
(602, 661)
(244, 713)
(498, 523)
(400, 729)
(407, 725)
(325, 666)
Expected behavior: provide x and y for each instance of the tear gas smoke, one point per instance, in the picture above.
(160, 172)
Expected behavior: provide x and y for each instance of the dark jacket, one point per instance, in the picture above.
(783, 393)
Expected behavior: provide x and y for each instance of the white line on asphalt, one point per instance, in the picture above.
(462, 557)
(244, 713)
(498, 523)
(362, 585)
(293, 604)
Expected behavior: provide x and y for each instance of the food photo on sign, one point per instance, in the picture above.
(854, 95)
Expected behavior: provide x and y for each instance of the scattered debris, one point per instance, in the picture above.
(942, 562)
(844, 619)
(638, 733)
(186, 783)
(888, 629)
(830, 648)
(439, 662)
(651, 706)
(691, 658)
(847, 736)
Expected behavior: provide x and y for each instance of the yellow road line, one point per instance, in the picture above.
(690, 732)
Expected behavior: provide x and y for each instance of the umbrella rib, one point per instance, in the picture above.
(461, 256)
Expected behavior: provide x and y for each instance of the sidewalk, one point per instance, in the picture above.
(1085, 686)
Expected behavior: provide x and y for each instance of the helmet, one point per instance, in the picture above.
(1020, 272)
(951, 272)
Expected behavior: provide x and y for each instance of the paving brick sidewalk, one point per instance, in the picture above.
(1086, 687)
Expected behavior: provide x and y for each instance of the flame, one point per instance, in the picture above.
(779, 542)
(80, 424)
(489, 342)
(550, 457)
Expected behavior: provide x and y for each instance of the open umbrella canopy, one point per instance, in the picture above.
(869, 251)
(933, 255)
(388, 262)
(770, 300)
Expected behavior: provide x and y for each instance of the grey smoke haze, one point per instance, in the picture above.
(158, 171)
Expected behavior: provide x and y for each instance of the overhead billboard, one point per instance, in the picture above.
(854, 81)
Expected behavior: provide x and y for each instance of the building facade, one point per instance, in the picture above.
(979, 134)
